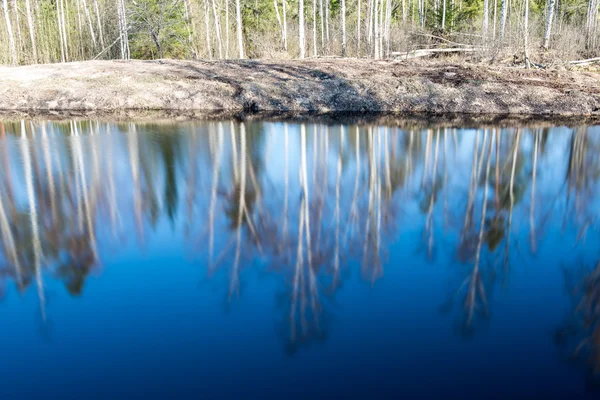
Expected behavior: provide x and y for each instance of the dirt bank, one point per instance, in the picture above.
(312, 85)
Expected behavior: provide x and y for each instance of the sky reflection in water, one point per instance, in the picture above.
(224, 259)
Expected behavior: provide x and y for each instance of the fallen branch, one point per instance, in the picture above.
(439, 38)
(585, 62)
(430, 52)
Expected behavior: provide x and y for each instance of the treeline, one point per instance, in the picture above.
(42, 31)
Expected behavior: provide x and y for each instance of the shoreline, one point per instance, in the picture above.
(316, 86)
(400, 120)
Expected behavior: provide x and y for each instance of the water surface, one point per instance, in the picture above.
(274, 260)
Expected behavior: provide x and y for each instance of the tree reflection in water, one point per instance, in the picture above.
(324, 200)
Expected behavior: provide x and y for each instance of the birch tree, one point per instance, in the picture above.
(284, 4)
(239, 28)
(548, 25)
(218, 31)
(11, 38)
(314, 15)
(526, 34)
(343, 16)
(301, 44)
(503, 14)
(486, 17)
(31, 26)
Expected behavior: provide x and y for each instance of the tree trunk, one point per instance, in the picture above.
(388, 27)
(486, 17)
(327, 37)
(89, 21)
(285, 25)
(63, 28)
(548, 26)
(278, 15)
(343, 14)
(207, 26)
(79, 29)
(526, 35)
(18, 25)
(494, 17)
(503, 19)
(31, 30)
(218, 29)
(100, 34)
(376, 29)
(301, 45)
(59, 27)
(314, 14)
(123, 30)
(321, 17)
(157, 43)
(358, 29)
(11, 38)
(444, 16)
(239, 27)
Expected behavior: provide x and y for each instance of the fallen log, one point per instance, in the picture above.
(584, 62)
(429, 52)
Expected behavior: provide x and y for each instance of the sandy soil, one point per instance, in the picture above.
(294, 86)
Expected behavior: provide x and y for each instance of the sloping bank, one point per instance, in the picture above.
(312, 85)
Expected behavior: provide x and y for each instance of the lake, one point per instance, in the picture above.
(267, 259)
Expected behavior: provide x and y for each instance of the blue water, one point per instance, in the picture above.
(125, 271)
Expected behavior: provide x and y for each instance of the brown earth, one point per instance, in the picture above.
(319, 85)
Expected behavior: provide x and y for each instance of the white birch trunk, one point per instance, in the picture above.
(89, 21)
(100, 34)
(227, 29)
(503, 15)
(486, 18)
(239, 28)
(11, 38)
(207, 26)
(526, 34)
(548, 26)
(314, 13)
(278, 15)
(301, 44)
(31, 30)
(343, 14)
(444, 16)
(358, 29)
(285, 47)
(218, 29)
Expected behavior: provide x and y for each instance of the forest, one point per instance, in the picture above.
(530, 32)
